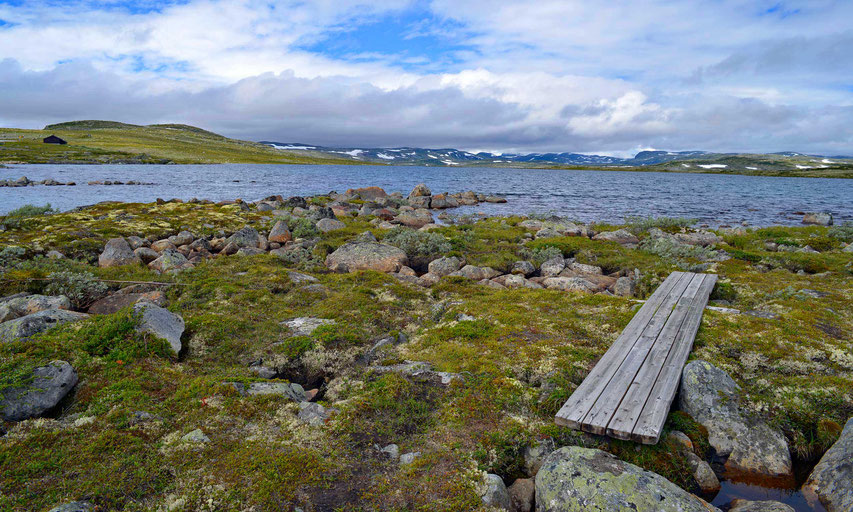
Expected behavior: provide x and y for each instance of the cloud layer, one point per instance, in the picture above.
(547, 76)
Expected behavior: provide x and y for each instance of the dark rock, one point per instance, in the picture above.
(832, 478)
(116, 302)
(48, 386)
(160, 322)
(26, 326)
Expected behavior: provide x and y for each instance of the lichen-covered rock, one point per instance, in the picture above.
(747, 444)
(182, 238)
(759, 506)
(47, 387)
(583, 268)
(169, 259)
(325, 225)
(74, 506)
(161, 323)
(574, 479)
(523, 268)
(476, 273)
(442, 201)
(620, 236)
(414, 219)
(29, 304)
(832, 478)
(366, 256)
(162, 245)
(494, 492)
(569, 284)
(445, 266)
(290, 390)
(314, 414)
(117, 252)
(624, 287)
(29, 325)
(245, 237)
(305, 325)
(700, 238)
(146, 254)
(553, 267)
(366, 193)
(420, 190)
(516, 281)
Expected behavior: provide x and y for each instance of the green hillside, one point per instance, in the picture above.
(114, 142)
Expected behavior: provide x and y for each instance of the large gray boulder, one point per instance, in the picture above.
(476, 273)
(553, 267)
(48, 385)
(169, 259)
(832, 478)
(325, 225)
(819, 219)
(414, 219)
(445, 266)
(569, 284)
(117, 252)
(366, 256)
(26, 326)
(747, 444)
(620, 236)
(245, 237)
(29, 304)
(574, 479)
(160, 322)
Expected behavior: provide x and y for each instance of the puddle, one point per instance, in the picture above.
(739, 490)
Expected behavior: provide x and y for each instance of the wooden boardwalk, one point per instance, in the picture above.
(628, 393)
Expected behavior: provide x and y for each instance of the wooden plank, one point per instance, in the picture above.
(628, 411)
(578, 404)
(648, 427)
(605, 406)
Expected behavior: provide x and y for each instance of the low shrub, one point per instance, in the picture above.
(540, 255)
(644, 224)
(670, 249)
(843, 232)
(421, 247)
(81, 288)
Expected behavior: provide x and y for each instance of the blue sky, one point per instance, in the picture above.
(551, 75)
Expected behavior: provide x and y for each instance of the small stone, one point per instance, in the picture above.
(495, 493)
(314, 414)
(196, 436)
(408, 458)
(392, 451)
(522, 494)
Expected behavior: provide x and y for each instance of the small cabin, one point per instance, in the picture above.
(53, 139)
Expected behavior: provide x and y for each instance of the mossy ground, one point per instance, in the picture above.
(520, 358)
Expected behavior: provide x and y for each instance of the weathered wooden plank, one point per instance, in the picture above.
(628, 411)
(650, 423)
(605, 406)
(578, 404)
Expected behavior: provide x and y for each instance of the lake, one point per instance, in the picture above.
(607, 196)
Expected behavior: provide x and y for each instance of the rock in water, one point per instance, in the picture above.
(366, 256)
(161, 323)
(574, 479)
(820, 219)
(748, 445)
(832, 478)
(29, 325)
(117, 252)
(495, 493)
(49, 385)
(420, 190)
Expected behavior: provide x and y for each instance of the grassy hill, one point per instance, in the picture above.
(114, 142)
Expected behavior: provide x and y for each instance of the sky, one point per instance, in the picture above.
(583, 76)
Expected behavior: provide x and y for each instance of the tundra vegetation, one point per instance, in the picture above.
(146, 429)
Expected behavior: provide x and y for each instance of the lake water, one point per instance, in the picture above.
(607, 196)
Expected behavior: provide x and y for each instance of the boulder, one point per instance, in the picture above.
(366, 256)
(29, 304)
(494, 492)
(759, 506)
(445, 266)
(415, 219)
(290, 390)
(700, 238)
(47, 387)
(524, 268)
(160, 322)
(620, 236)
(29, 325)
(325, 225)
(516, 281)
(522, 495)
(582, 268)
(553, 267)
(162, 245)
(442, 201)
(569, 284)
(420, 202)
(832, 479)
(420, 190)
(575, 479)
(117, 252)
(280, 233)
(747, 444)
(366, 193)
(182, 238)
(245, 237)
(703, 474)
(136, 242)
(169, 259)
(624, 287)
(819, 219)
(115, 302)
(476, 273)
(494, 199)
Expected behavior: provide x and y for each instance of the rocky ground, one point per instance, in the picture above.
(346, 352)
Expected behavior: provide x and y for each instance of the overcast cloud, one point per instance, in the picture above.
(719, 75)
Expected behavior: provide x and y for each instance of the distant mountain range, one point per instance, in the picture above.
(683, 160)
